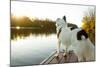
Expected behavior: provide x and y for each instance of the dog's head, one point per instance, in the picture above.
(61, 22)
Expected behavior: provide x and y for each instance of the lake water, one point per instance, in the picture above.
(31, 49)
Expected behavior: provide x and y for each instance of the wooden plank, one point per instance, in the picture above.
(48, 59)
(71, 57)
(57, 60)
(65, 59)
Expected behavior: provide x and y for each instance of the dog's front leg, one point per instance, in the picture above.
(65, 52)
(58, 48)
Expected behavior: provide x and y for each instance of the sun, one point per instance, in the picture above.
(17, 15)
(18, 27)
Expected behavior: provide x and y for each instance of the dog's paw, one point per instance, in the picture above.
(65, 54)
(56, 55)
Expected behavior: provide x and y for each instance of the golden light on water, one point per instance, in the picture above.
(18, 27)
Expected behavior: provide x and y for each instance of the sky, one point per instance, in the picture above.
(73, 13)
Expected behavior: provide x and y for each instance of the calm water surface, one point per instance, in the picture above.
(32, 49)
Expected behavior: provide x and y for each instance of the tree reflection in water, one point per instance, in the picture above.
(22, 33)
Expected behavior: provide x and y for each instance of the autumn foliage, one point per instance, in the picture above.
(88, 24)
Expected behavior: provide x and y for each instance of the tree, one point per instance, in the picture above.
(88, 24)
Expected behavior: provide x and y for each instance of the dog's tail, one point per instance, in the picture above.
(82, 35)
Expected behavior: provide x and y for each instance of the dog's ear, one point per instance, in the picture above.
(64, 18)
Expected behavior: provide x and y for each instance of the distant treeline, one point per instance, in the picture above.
(27, 22)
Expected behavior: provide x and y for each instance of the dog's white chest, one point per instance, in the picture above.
(65, 36)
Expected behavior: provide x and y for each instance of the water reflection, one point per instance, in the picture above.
(21, 33)
(31, 46)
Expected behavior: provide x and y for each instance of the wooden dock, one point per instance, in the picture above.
(70, 58)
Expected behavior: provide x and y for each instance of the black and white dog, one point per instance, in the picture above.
(74, 39)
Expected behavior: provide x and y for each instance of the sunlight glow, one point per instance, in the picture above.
(74, 13)
(18, 27)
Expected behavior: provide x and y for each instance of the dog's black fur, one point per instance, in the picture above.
(64, 17)
(80, 34)
(72, 28)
